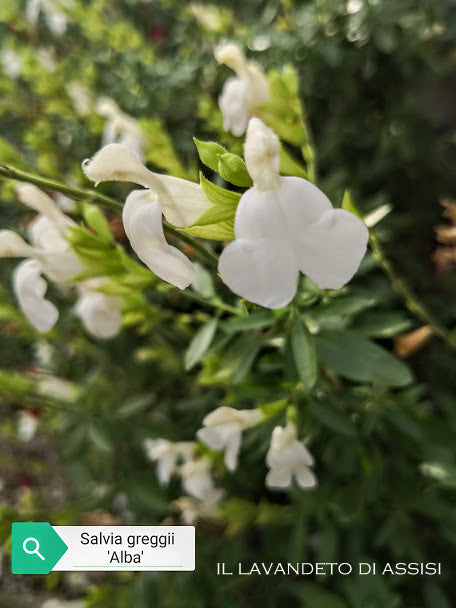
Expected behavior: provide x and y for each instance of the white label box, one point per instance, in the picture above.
(115, 548)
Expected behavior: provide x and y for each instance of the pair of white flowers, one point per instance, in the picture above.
(287, 458)
(195, 473)
(50, 253)
(283, 225)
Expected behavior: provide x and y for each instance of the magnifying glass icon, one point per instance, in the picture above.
(35, 543)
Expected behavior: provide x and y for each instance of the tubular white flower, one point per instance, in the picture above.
(223, 429)
(284, 225)
(26, 425)
(142, 219)
(192, 509)
(100, 314)
(30, 288)
(243, 93)
(166, 454)
(196, 478)
(182, 202)
(120, 128)
(288, 458)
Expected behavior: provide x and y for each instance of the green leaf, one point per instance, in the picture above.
(217, 195)
(289, 166)
(96, 220)
(209, 152)
(303, 349)
(257, 320)
(241, 356)
(134, 405)
(359, 359)
(271, 410)
(224, 231)
(382, 324)
(333, 418)
(200, 344)
(203, 283)
(100, 439)
(349, 205)
(232, 168)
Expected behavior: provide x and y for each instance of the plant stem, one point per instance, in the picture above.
(93, 196)
(44, 182)
(411, 301)
(218, 304)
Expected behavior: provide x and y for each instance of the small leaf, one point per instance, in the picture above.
(333, 418)
(217, 195)
(203, 283)
(303, 349)
(96, 220)
(349, 205)
(289, 166)
(232, 168)
(200, 344)
(257, 320)
(100, 439)
(209, 152)
(356, 358)
(223, 231)
(241, 356)
(134, 405)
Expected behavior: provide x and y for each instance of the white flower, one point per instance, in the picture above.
(166, 454)
(26, 425)
(284, 225)
(223, 429)
(120, 128)
(100, 313)
(30, 288)
(181, 201)
(192, 509)
(56, 19)
(57, 603)
(11, 63)
(80, 96)
(241, 94)
(196, 478)
(288, 458)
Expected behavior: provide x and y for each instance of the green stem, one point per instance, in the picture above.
(411, 301)
(93, 196)
(44, 182)
(218, 304)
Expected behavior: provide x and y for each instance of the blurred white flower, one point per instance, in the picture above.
(100, 313)
(66, 204)
(30, 288)
(182, 203)
(120, 128)
(166, 454)
(288, 458)
(11, 63)
(56, 18)
(223, 429)
(26, 425)
(243, 93)
(192, 509)
(284, 225)
(196, 478)
(54, 387)
(80, 96)
(47, 59)
(57, 603)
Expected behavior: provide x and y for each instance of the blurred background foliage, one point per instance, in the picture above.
(377, 80)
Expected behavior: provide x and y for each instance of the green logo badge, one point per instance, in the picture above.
(36, 548)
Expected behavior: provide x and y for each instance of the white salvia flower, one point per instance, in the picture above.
(120, 128)
(80, 96)
(192, 509)
(182, 203)
(223, 429)
(284, 225)
(30, 288)
(11, 63)
(288, 458)
(100, 313)
(57, 388)
(243, 93)
(26, 425)
(196, 478)
(56, 19)
(47, 59)
(65, 203)
(57, 603)
(166, 454)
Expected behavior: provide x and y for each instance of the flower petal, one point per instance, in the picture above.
(305, 478)
(100, 314)
(186, 201)
(263, 271)
(12, 246)
(232, 450)
(35, 198)
(142, 218)
(278, 478)
(331, 250)
(262, 155)
(233, 105)
(30, 288)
